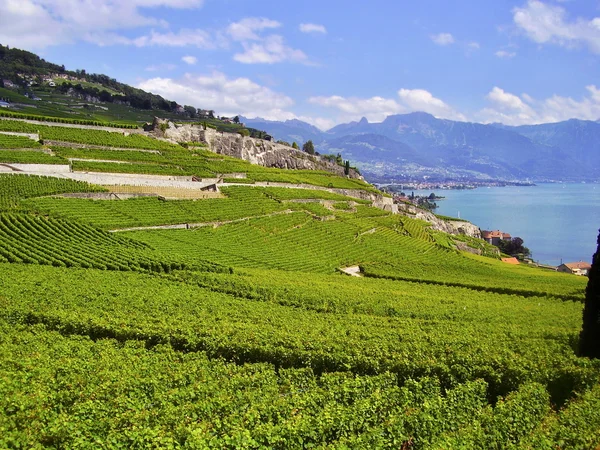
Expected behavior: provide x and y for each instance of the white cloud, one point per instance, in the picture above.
(442, 38)
(312, 28)
(227, 96)
(26, 24)
(320, 122)
(544, 23)
(160, 67)
(473, 46)
(422, 100)
(183, 38)
(506, 100)
(34, 24)
(377, 109)
(191, 60)
(42, 23)
(511, 109)
(245, 29)
(269, 50)
(260, 49)
(503, 54)
(352, 108)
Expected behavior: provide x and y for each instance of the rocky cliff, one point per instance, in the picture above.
(456, 227)
(257, 151)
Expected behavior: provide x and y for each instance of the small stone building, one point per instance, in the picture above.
(494, 237)
(576, 268)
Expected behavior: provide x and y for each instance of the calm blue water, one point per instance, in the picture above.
(556, 221)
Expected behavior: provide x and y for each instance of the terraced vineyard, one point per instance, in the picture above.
(238, 330)
(242, 202)
(86, 136)
(14, 188)
(60, 243)
(300, 243)
(163, 159)
(55, 119)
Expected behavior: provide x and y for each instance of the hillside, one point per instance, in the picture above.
(33, 86)
(155, 294)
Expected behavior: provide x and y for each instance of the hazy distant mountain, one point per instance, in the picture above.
(291, 130)
(363, 126)
(419, 144)
(373, 147)
(580, 139)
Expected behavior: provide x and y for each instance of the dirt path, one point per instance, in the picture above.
(200, 224)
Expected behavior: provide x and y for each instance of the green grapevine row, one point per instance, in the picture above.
(29, 157)
(255, 406)
(446, 344)
(12, 141)
(39, 240)
(378, 245)
(13, 188)
(65, 120)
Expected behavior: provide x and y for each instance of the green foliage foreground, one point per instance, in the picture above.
(131, 360)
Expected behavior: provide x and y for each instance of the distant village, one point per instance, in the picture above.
(502, 240)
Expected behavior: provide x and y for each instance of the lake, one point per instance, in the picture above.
(556, 221)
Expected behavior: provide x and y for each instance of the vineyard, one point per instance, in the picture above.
(14, 188)
(417, 370)
(29, 157)
(236, 329)
(60, 243)
(242, 202)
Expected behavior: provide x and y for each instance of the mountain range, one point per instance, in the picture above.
(419, 145)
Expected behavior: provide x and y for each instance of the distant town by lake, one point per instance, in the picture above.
(558, 222)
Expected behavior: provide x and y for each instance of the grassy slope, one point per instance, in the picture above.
(446, 350)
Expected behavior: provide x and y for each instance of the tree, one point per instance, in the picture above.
(514, 247)
(589, 338)
(190, 111)
(236, 119)
(309, 147)
(294, 145)
(347, 167)
(244, 132)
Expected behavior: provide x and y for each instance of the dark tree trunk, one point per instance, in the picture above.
(589, 338)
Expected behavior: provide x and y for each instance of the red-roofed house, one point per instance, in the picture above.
(494, 237)
(577, 268)
(511, 260)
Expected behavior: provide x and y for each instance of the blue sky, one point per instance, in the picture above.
(330, 61)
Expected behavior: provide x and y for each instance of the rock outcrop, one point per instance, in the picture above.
(257, 151)
(456, 227)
